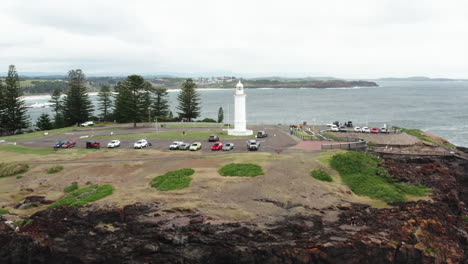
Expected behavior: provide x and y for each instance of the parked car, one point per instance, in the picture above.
(330, 125)
(68, 144)
(262, 134)
(217, 146)
(88, 123)
(142, 143)
(184, 146)
(59, 144)
(383, 130)
(175, 145)
(357, 130)
(213, 138)
(228, 146)
(374, 130)
(365, 130)
(93, 145)
(342, 129)
(334, 128)
(113, 144)
(253, 145)
(195, 146)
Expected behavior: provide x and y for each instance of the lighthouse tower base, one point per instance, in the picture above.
(234, 132)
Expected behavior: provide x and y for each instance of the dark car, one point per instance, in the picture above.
(213, 138)
(59, 144)
(262, 134)
(68, 144)
(93, 145)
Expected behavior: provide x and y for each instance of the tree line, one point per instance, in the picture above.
(132, 100)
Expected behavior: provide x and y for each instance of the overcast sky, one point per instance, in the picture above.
(347, 39)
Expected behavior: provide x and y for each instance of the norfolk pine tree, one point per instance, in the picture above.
(220, 115)
(77, 106)
(57, 108)
(161, 104)
(2, 106)
(133, 99)
(189, 101)
(14, 114)
(43, 122)
(105, 101)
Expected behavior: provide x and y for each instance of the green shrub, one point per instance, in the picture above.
(241, 170)
(173, 180)
(19, 177)
(3, 211)
(360, 171)
(85, 195)
(89, 183)
(12, 168)
(55, 169)
(321, 175)
(71, 187)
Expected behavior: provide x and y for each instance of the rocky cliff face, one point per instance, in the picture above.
(412, 232)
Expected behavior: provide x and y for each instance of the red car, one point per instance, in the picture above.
(217, 146)
(374, 130)
(93, 145)
(68, 144)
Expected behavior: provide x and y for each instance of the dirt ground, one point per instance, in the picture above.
(286, 188)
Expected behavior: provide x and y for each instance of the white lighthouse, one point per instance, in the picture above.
(240, 121)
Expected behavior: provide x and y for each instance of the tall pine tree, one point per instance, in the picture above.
(161, 104)
(133, 100)
(43, 122)
(2, 107)
(189, 101)
(220, 115)
(57, 108)
(14, 114)
(105, 102)
(77, 106)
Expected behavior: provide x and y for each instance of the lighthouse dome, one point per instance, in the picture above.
(239, 88)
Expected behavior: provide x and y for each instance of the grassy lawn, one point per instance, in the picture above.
(38, 134)
(71, 187)
(173, 180)
(85, 195)
(417, 133)
(12, 168)
(27, 150)
(241, 170)
(321, 175)
(333, 137)
(200, 135)
(195, 125)
(360, 171)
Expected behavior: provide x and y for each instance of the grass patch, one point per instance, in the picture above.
(198, 135)
(333, 137)
(3, 211)
(37, 134)
(241, 170)
(194, 125)
(55, 169)
(12, 168)
(71, 187)
(360, 171)
(85, 195)
(417, 133)
(173, 180)
(27, 150)
(322, 175)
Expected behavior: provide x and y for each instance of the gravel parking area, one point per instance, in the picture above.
(276, 139)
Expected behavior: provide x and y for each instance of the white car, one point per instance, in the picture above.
(113, 144)
(175, 145)
(88, 123)
(334, 128)
(330, 125)
(365, 130)
(142, 143)
(357, 129)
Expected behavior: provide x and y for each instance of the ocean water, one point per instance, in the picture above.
(439, 107)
